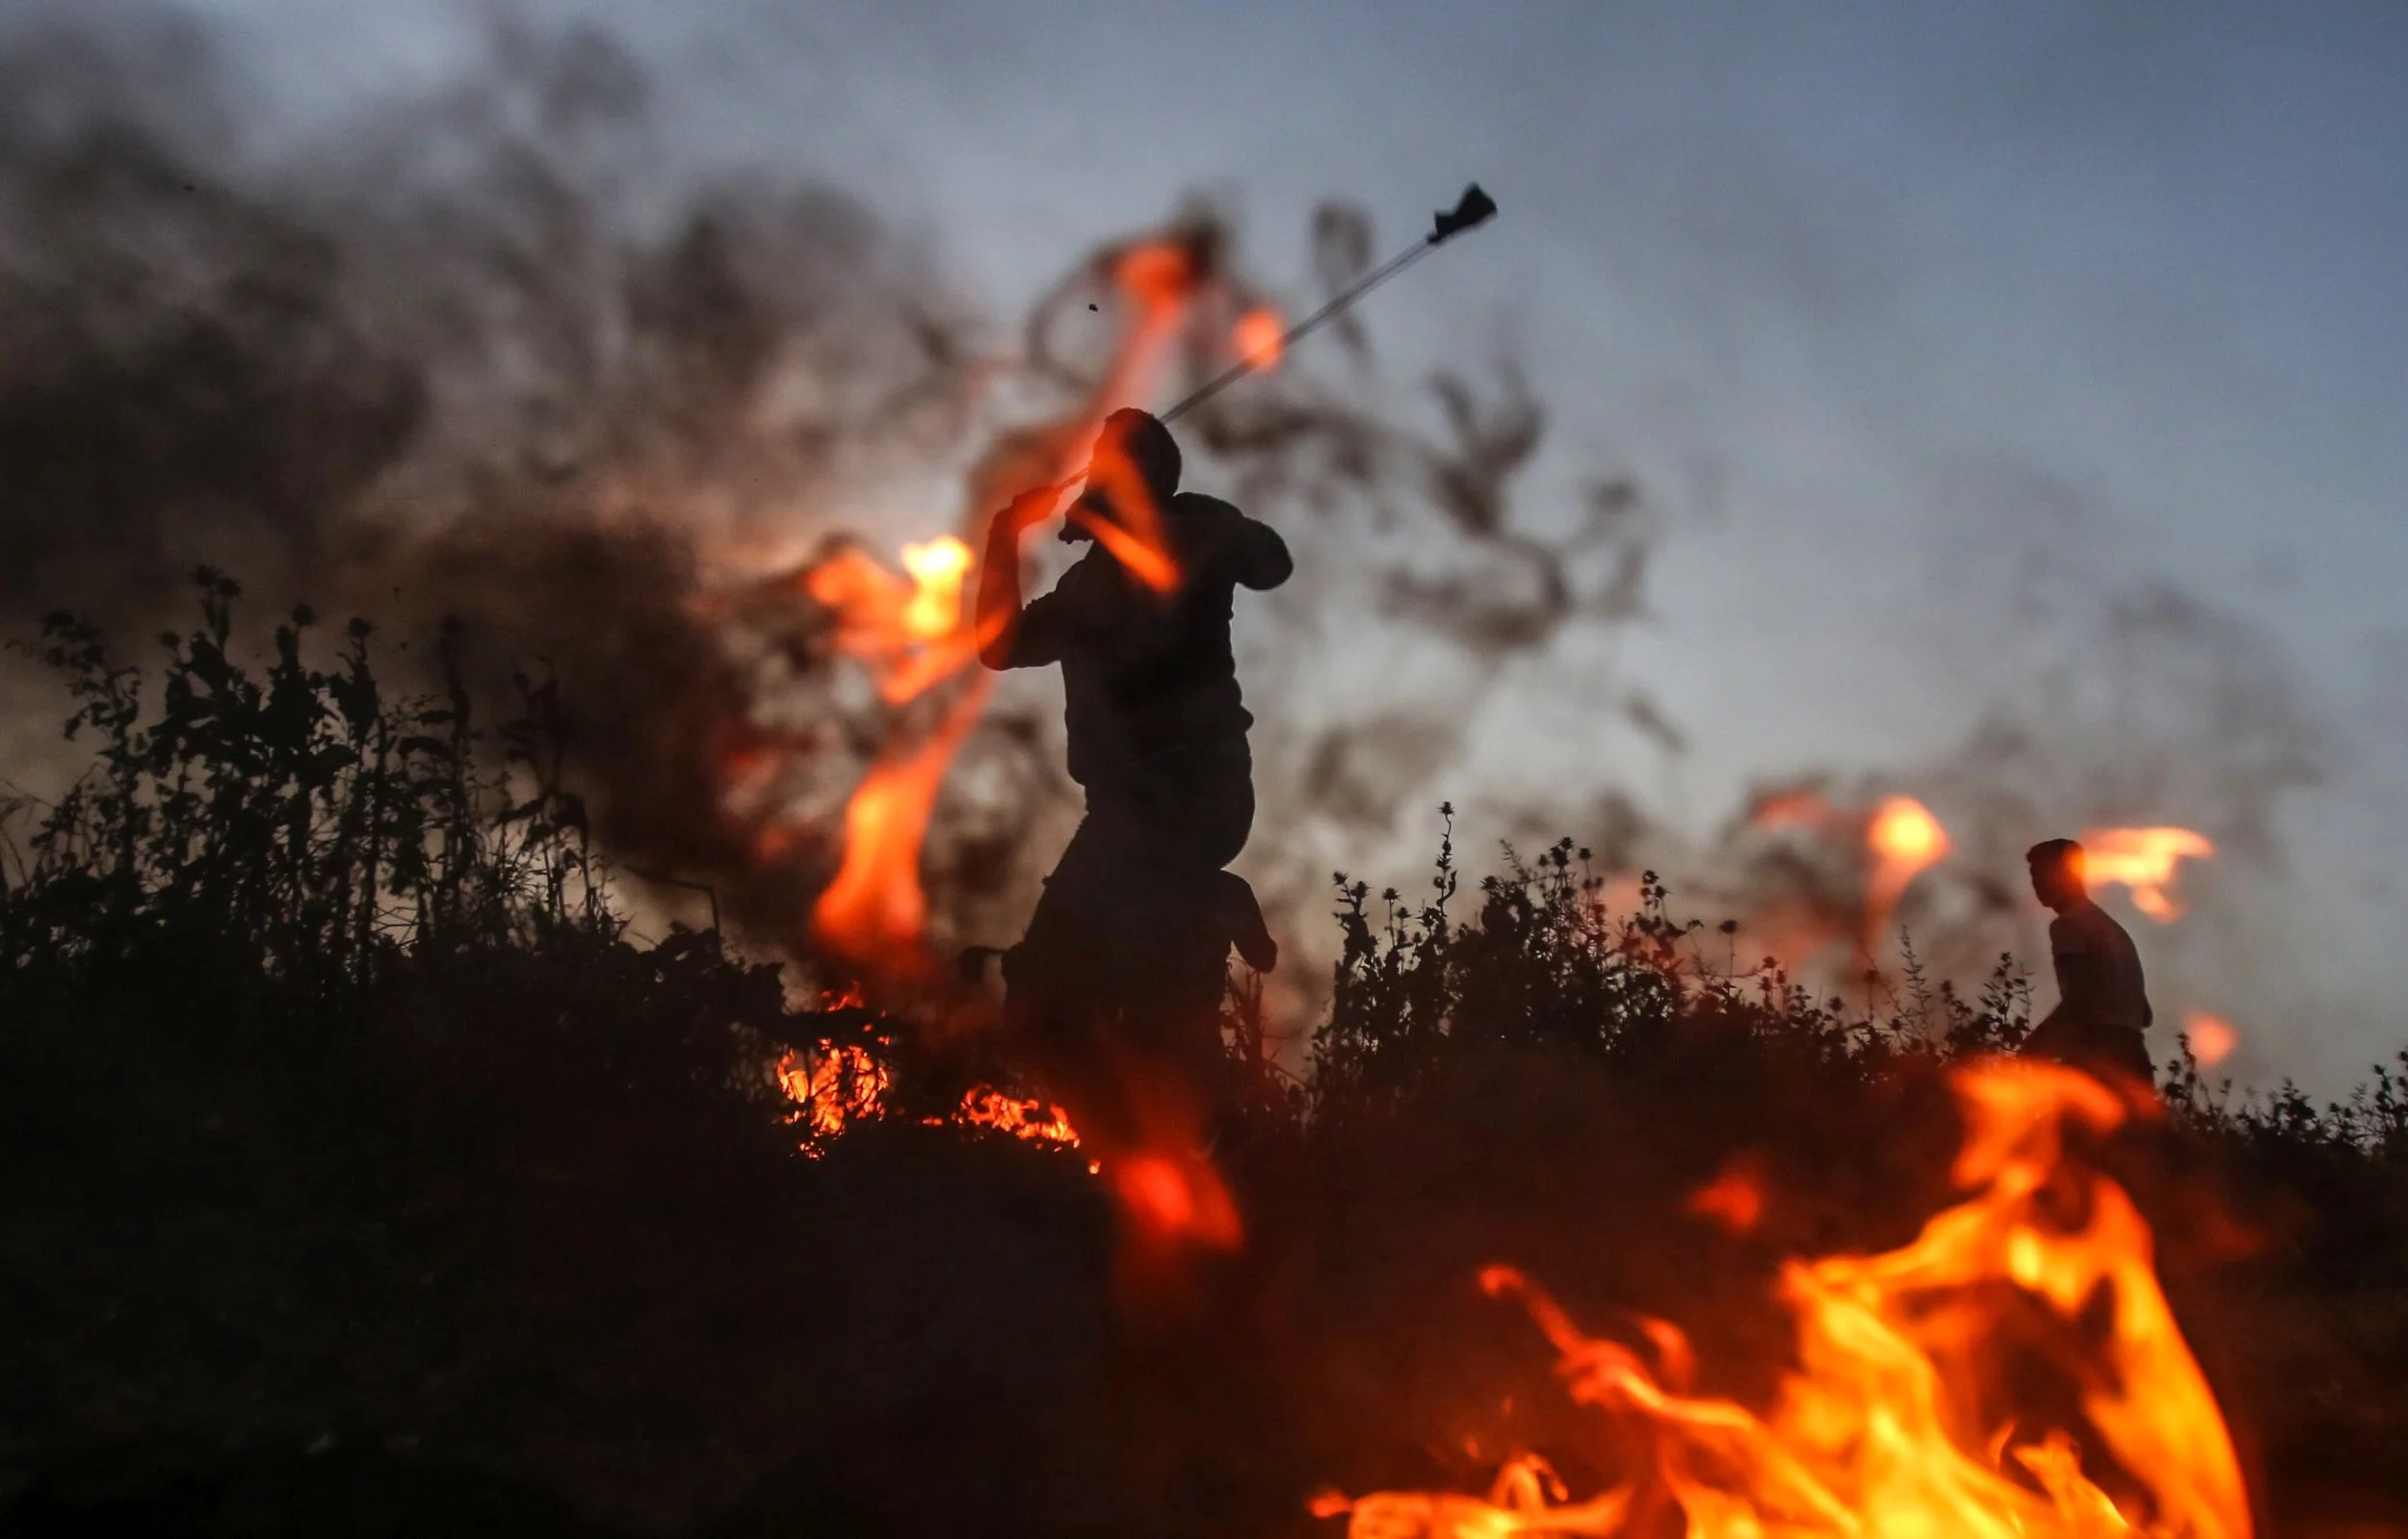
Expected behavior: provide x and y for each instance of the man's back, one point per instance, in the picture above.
(1145, 673)
(2098, 968)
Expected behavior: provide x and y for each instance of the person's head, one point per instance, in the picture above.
(2057, 878)
(1136, 459)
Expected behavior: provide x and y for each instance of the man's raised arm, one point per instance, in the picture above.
(1006, 638)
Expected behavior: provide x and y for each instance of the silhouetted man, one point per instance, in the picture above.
(1136, 922)
(2103, 1004)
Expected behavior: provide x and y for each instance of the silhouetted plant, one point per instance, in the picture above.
(291, 830)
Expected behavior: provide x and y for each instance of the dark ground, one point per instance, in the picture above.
(272, 1321)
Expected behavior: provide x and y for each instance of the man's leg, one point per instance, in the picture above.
(1064, 982)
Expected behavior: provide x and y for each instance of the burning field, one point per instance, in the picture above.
(538, 1065)
(1902, 1414)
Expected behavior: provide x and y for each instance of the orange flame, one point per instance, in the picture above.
(2142, 861)
(876, 908)
(1904, 838)
(836, 1087)
(1033, 1120)
(1257, 337)
(909, 635)
(2212, 1038)
(833, 1087)
(1158, 277)
(1896, 1421)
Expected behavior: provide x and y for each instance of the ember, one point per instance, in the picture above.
(1900, 1418)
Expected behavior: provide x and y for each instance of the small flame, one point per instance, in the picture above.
(2212, 1038)
(2142, 861)
(986, 1107)
(835, 1087)
(1898, 1417)
(1257, 337)
(1904, 838)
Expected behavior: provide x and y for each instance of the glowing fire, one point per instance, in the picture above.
(1033, 1120)
(1903, 839)
(876, 908)
(1256, 337)
(2212, 1038)
(908, 634)
(2142, 861)
(1896, 1421)
(833, 1087)
(937, 567)
(838, 1086)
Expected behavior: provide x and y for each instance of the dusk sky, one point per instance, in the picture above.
(1937, 329)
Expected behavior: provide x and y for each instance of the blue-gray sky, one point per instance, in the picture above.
(1906, 309)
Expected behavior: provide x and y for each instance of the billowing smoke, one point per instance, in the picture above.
(479, 357)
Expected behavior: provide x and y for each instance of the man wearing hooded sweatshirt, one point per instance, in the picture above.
(1139, 917)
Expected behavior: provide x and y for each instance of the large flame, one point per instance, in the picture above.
(2142, 861)
(1899, 1420)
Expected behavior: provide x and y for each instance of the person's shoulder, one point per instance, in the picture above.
(2109, 926)
(2085, 922)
